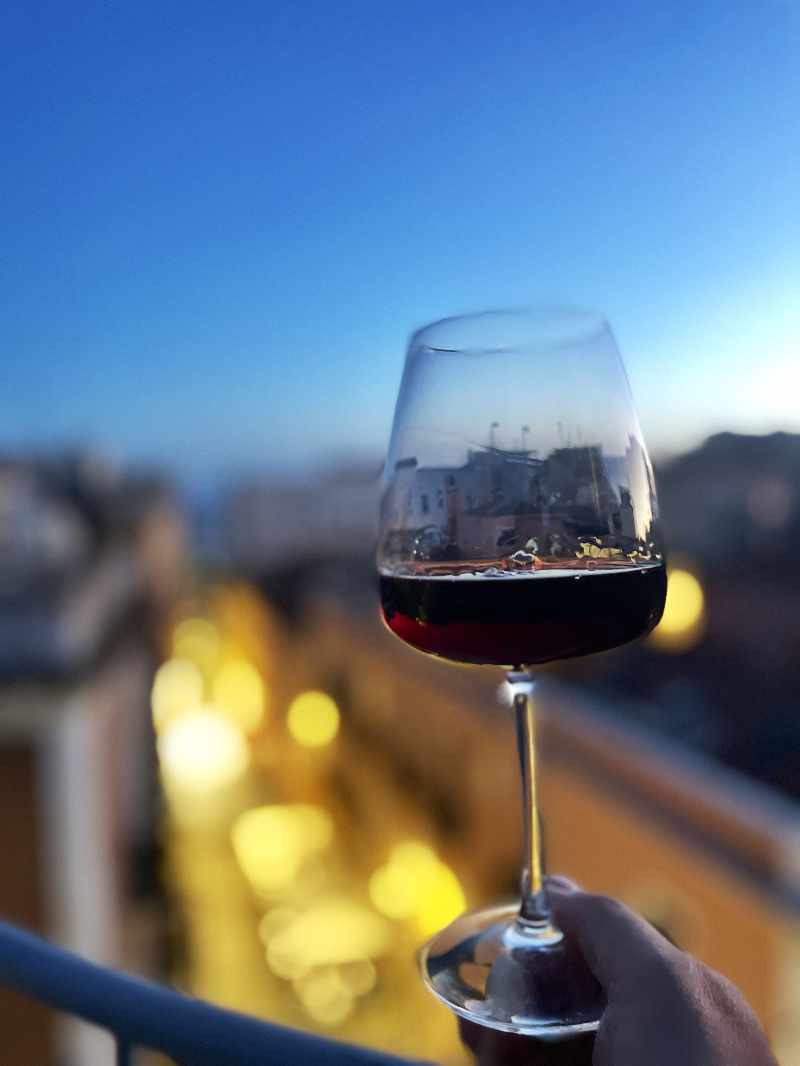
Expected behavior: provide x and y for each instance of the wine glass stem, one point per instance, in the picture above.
(534, 912)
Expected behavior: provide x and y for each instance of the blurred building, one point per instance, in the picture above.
(731, 515)
(89, 561)
(267, 525)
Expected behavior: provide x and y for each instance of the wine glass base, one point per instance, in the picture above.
(495, 971)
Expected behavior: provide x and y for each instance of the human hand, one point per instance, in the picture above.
(664, 1006)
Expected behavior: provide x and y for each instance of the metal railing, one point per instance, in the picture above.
(142, 1014)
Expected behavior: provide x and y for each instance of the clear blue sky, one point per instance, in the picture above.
(220, 221)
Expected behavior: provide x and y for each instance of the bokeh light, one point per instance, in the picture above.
(415, 884)
(272, 843)
(334, 931)
(202, 751)
(326, 949)
(326, 996)
(393, 891)
(313, 719)
(177, 688)
(198, 640)
(359, 976)
(275, 921)
(683, 621)
(243, 615)
(440, 902)
(239, 690)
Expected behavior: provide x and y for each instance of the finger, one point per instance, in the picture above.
(558, 881)
(619, 946)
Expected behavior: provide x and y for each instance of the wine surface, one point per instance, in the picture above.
(511, 619)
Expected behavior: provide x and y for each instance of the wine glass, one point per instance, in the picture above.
(518, 526)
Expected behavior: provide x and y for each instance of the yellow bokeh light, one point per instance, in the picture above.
(247, 620)
(239, 690)
(414, 883)
(198, 640)
(684, 613)
(272, 843)
(360, 976)
(414, 856)
(393, 890)
(275, 921)
(177, 688)
(202, 751)
(441, 901)
(313, 719)
(335, 931)
(326, 996)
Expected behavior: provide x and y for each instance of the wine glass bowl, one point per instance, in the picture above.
(516, 454)
(518, 525)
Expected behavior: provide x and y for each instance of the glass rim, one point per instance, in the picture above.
(556, 325)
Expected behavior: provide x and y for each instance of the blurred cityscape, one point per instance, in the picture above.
(220, 771)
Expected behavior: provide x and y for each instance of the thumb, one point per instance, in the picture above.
(618, 945)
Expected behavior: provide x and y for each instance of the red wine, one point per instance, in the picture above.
(510, 619)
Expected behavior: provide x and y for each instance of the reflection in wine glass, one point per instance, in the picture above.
(494, 1048)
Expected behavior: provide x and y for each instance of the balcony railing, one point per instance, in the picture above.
(140, 1014)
